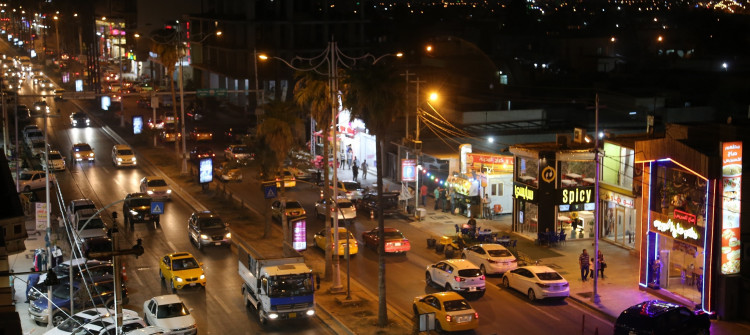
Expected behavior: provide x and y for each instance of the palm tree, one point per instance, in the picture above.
(165, 45)
(311, 92)
(276, 138)
(374, 93)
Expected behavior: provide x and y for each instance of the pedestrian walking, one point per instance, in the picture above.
(583, 261)
(364, 171)
(443, 198)
(355, 162)
(437, 197)
(486, 206)
(602, 264)
(349, 154)
(422, 191)
(449, 201)
(355, 171)
(591, 268)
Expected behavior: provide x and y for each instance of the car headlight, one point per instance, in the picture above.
(133, 159)
(75, 122)
(88, 121)
(78, 155)
(119, 159)
(132, 212)
(178, 279)
(273, 316)
(203, 276)
(228, 235)
(150, 192)
(310, 312)
(91, 154)
(204, 237)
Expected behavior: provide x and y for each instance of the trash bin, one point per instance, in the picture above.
(421, 213)
(431, 243)
(410, 209)
(449, 252)
(439, 247)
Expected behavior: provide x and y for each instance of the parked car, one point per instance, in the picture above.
(169, 312)
(88, 224)
(149, 330)
(395, 242)
(101, 290)
(37, 148)
(181, 269)
(344, 208)
(199, 152)
(201, 134)
(81, 268)
(55, 161)
(293, 210)
(369, 202)
(87, 316)
(123, 155)
(207, 228)
(34, 179)
(156, 187)
(96, 244)
(78, 204)
(33, 134)
(82, 152)
(228, 171)
(661, 317)
(457, 275)
(490, 258)
(537, 282)
(137, 208)
(107, 325)
(345, 237)
(80, 119)
(452, 311)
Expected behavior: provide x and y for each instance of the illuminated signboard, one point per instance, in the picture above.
(523, 192)
(678, 228)
(206, 170)
(137, 124)
(731, 173)
(489, 163)
(408, 170)
(299, 231)
(575, 195)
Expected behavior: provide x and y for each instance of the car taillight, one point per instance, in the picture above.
(481, 277)
(476, 315)
(492, 261)
(448, 318)
(542, 285)
(458, 279)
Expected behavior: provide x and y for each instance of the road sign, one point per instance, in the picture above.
(157, 207)
(211, 92)
(269, 191)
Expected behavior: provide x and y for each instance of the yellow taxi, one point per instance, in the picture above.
(452, 311)
(320, 241)
(181, 270)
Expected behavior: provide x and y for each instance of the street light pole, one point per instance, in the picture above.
(182, 105)
(595, 298)
(57, 36)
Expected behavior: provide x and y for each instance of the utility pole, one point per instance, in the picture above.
(417, 142)
(595, 298)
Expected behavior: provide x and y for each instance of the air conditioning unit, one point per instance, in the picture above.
(562, 140)
(578, 135)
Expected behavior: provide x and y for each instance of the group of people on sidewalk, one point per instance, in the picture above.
(349, 162)
(446, 200)
(587, 264)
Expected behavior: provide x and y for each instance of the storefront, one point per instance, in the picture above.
(618, 206)
(534, 179)
(495, 173)
(618, 218)
(677, 226)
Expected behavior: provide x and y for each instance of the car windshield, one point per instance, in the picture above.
(139, 202)
(184, 264)
(393, 235)
(240, 150)
(82, 147)
(351, 185)
(211, 223)
(125, 152)
(157, 182)
(171, 311)
(293, 205)
(61, 292)
(499, 253)
(456, 305)
(70, 324)
(469, 273)
(549, 276)
(290, 286)
(55, 156)
(79, 116)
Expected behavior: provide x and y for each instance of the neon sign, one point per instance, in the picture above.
(678, 229)
(523, 192)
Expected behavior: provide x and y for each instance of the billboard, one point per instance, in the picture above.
(299, 234)
(731, 181)
(206, 170)
(408, 170)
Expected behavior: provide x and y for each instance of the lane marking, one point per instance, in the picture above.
(222, 304)
(169, 243)
(542, 311)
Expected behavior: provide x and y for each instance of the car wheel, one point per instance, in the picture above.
(481, 268)
(416, 311)
(40, 323)
(261, 317)
(199, 245)
(531, 295)
(58, 318)
(428, 279)
(447, 287)
(506, 282)
(171, 287)
(145, 320)
(27, 188)
(161, 276)
(438, 327)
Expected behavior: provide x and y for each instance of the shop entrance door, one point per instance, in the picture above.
(619, 225)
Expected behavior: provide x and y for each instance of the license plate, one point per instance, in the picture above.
(472, 288)
(292, 315)
(397, 244)
(217, 243)
(192, 284)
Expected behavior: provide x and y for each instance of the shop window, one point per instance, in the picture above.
(527, 170)
(577, 173)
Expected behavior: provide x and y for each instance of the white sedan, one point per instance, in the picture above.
(168, 311)
(346, 209)
(456, 275)
(537, 282)
(86, 316)
(491, 258)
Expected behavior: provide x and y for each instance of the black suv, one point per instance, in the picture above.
(660, 317)
(137, 208)
(369, 202)
(207, 228)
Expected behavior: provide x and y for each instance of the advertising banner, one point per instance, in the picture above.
(206, 174)
(408, 170)
(299, 232)
(41, 216)
(731, 175)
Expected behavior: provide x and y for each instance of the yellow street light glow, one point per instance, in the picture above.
(218, 33)
(55, 17)
(137, 35)
(399, 54)
(429, 48)
(262, 57)
(433, 96)
(659, 38)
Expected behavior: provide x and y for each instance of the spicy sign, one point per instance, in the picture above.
(575, 195)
